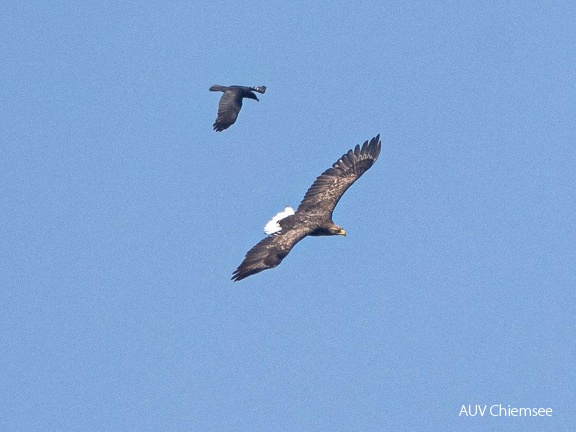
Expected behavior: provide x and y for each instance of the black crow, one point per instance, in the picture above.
(231, 102)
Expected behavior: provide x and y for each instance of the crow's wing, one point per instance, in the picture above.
(228, 109)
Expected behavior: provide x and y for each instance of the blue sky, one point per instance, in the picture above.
(124, 216)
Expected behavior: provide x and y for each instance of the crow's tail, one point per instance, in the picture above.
(259, 89)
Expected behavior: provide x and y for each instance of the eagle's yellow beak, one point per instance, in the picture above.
(342, 232)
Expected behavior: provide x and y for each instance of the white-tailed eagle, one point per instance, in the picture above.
(314, 214)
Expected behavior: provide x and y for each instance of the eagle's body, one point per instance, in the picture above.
(314, 214)
(231, 102)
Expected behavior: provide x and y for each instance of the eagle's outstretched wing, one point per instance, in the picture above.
(269, 252)
(329, 187)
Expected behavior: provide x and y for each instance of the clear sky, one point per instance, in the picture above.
(124, 215)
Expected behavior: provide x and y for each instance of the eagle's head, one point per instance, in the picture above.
(337, 230)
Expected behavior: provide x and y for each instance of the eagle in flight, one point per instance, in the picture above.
(314, 214)
(231, 102)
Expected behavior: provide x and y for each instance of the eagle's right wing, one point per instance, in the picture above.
(329, 187)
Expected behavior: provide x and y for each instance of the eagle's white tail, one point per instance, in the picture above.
(273, 226)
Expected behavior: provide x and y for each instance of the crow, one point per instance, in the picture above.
(231, 102)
